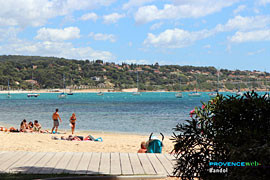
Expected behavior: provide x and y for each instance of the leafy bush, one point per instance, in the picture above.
(226, 129)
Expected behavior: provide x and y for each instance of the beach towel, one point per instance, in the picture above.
(91, 138)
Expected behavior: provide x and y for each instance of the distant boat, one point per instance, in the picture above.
(63, 95)
(239, 93)
(195, 94)
(214, 94)
(8, 95)
(32, 94)
(100, 93)
(70, 92)
(179, 94)
(137, 93)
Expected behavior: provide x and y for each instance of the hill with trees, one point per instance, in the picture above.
(48, 73)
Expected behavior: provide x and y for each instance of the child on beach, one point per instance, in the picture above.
(72, 122)
(143, 148)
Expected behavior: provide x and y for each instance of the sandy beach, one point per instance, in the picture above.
(112, 142)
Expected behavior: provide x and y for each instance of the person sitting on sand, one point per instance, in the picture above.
(37, 126)
(72, 122)
(23, 126)
(30, 126)
(143, 148)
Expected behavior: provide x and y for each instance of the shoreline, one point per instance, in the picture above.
(104, 91)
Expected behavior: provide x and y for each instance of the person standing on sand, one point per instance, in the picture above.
(55, 117)
(72, 122)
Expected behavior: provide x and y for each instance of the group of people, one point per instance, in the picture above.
(56, 118)
(36, 126)
(30, 127)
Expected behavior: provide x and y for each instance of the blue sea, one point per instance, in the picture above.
(113, 112)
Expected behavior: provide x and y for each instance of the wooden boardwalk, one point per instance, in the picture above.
(93, 163)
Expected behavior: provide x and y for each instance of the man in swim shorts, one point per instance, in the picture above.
(55, 118)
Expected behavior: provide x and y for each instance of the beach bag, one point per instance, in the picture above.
(154, 145)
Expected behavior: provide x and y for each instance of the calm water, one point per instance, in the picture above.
(113, 112)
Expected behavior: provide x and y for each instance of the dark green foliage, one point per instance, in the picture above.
(48, 72)
(227, 129)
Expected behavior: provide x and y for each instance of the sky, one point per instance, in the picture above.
(231, 34)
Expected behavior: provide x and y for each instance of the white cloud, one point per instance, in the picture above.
(181, 9)
(89, 16)
(48, 34)
(207, 46)
(57, 49)
(264, 2)
(256, 52)
(175, 38)
(112, 18)
(252, 36)
(156, 26)
(244, 23)
(103, 37)
(135, 3)
(37, 12)
(136, 61)
(239, 9)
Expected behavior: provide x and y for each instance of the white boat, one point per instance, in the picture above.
(137, 93)
(8, 95)
(214, 94)
(195, 94)
(100, 93)
(32, 94)
(179, 94)
(63, 95)
(239, 93)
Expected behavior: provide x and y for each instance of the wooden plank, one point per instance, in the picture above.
(115, 164)
(94, 163)
(104, 167)
(136, 164)
(39, 165)
(7, 156)
(50, 165)
(73, 163)
(15, 158)
(166, 164)
(23, 168)
(160, 170)
(84, 163)
(126, 168)
(62, 163)
(146, 164)
(26, 157)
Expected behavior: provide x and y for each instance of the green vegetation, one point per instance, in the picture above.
(81, 74)
(226, 129)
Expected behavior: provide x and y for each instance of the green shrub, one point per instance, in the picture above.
(226, 129)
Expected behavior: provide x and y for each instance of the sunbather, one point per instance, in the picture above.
(37, 126)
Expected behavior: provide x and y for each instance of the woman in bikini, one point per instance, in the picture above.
(72, 122)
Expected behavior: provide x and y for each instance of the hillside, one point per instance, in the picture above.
(48, 73)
